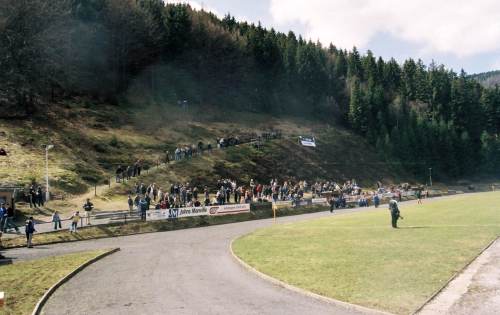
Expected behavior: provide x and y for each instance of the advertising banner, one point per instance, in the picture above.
(282, 204)
(303, 203)
(229, 209)
(319, 201)
(175, 213)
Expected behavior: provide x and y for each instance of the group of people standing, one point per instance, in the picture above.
(124, 173)
(35, 196)
(188, 151)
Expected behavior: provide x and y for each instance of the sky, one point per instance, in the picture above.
(461, 34)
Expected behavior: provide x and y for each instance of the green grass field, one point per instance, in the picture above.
(358, 258)
(25, 283)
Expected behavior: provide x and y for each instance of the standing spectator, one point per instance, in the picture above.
(148, 202)
(3, 215)
(419, 196)
(74, 221)
(139, 167)
(332, 204)
(39, 196)
(376, 200)
(154, 191)
(32, 196)
(129, 172)
(137, 200)
(130, 204)
(9, 220)
(56, 219)
(30, 229)
(143, 189)
(119, 172)
(143, 206)
(88, 206)
(135, 168)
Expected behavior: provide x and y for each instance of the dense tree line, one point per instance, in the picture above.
(114, 50)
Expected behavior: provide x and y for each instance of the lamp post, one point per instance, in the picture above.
(430, 176)
(47, 193)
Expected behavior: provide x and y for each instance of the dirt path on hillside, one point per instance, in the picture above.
(474, 291)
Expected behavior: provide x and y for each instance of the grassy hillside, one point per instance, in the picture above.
(92, 139)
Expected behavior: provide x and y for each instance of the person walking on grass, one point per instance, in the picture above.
(419, 196)
(395, 213)
(74, 221)
(88, 206)
(29, 229)
(56, 219)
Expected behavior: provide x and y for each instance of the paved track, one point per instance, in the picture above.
(181, 272)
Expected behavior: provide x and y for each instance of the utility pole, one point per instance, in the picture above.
(47, 193)
(430, 176)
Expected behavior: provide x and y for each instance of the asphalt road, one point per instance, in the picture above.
(475, 291)
(180, 272)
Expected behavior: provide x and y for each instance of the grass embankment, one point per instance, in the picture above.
(359, 259)
(131, 228)
(26, 282)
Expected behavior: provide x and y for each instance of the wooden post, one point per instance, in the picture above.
(274, 213)
(95, 190)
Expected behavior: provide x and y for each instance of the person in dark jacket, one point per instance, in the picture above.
(332, 202)
(3, 215)
(9, 220)
(395, 213)
(376, 200)
(32, 196)
(39, 197)
(30, 229)
(143, 206)
(88, 206)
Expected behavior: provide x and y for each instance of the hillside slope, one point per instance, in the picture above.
(90, 140)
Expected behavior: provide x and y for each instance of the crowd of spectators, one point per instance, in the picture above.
(230, 191)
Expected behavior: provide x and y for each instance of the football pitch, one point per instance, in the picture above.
(358, 258)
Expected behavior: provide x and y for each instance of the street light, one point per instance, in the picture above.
(47, 193)
(430, 175)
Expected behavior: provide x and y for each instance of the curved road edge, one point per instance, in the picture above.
(279, 283)
(38, 308)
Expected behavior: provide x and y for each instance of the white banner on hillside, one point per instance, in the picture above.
(229, 209)
(307, 142)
